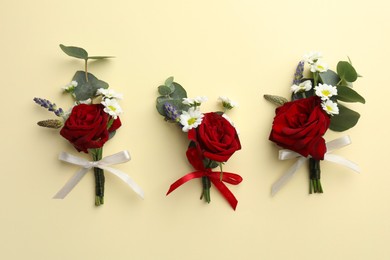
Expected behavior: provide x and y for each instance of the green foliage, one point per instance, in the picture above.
(75, 52)
(172, 93)
(345, 120)
(276, 100)
(329, 77)
(347, 94)
(87, 89)
(346, 71)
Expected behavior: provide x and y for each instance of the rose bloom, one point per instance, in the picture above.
(86, 127)
(299, 126)
(215, 138)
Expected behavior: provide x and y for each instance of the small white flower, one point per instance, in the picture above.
(190, 119)
(197, 101)
(312, 57)
(111, 107)
(325, 91)
(70, 86)
(330, 107)
(303, 86)
(227, 102)
(319, 66)
(109, 93)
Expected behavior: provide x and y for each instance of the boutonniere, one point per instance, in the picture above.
(88, 125)
(213, 139)
(317, 105)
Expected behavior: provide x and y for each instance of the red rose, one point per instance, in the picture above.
(86, 127)
(299, 126)
(215, 138)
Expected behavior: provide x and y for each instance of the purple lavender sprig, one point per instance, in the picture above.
(52, 107)
(299, 73)
(171, 112)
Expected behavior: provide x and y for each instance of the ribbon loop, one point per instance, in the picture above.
(331, 146)
(86, 165)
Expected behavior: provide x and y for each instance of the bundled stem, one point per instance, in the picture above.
(315, 176)
(206, 189)
(97, 155)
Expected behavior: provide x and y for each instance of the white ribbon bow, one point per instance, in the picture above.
(331, 146)
(86, 165)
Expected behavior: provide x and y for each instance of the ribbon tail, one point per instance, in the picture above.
(184, 179)
(227, 194)
(126, 178)
(287, 176)
(72, 182)
(342, 161)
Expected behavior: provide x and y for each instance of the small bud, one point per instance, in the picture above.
(51, 123)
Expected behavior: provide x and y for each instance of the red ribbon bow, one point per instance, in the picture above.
(228, 177)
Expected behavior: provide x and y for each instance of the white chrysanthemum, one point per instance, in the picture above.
(330, 107)
(312, 57)
(319, 66)
(87, 102)
(111, 107)
(231, 122)
(197, 101)
(109, 93)
(191, 119)
(70, 86)
(325, 91)
(227, 102)
(303, 86)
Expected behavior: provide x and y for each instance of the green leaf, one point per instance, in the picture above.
(169, 81)
(346, 71)
(345, 120)
(179, 92)
(276, 100)
(329, 77)
(347, 94)
(84, 89)
(100, 57)
(164, 90)
(174, 102)
(75, 52)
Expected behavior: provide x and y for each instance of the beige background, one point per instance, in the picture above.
(242, 49)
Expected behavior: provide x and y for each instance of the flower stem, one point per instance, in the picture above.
(315, 176)
(206, 189)
(99, 178)
(86, 70)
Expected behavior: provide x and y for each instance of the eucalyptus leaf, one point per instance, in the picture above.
(75, 52)
(174, 102)
(346, 71)
(179, 92)
(276, 100)
(87, 89)
(347, 94)
(164, 90)
(329, 77)
(100, 57)
(169, 81)
(345, 120)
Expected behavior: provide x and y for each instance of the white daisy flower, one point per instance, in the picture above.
(109, 93)
(319, 66)
(87, 102)
(111, 107)
(303, 86)
(330, 107)
(197, 101)
(191, 119)
(70, 86)
(325, 91)
(312, 57)
(227, 102)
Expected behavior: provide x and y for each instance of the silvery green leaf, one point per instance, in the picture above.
(277, 100)
(75, 52)
(84, 89)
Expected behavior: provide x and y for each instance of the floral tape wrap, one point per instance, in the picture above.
(104, 164)
(331, 146)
